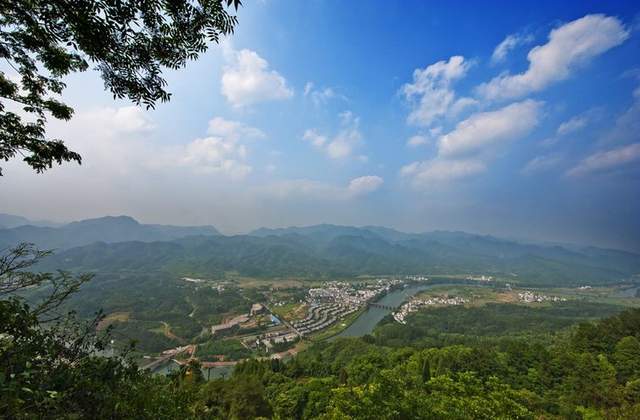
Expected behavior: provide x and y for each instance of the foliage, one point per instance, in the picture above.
(16, 277)
(460, 325)
(348, 256)
(128, 42)
(230, 349)
(149, 300)
(514, 371)
(50, 366)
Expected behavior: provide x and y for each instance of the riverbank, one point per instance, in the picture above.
(338, 327)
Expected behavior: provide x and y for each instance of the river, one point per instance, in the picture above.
(366, 322)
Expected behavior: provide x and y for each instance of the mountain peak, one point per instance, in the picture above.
(118, 220)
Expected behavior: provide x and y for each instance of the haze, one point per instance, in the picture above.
(441, 119)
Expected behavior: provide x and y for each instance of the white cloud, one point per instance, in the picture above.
(320, 190)
(417, 140)
(312, 136)
(485, 129)
(122, 146)
(461, 104)
(509, 43)
(430, 93)
(607, 160)
(467, 149)
(111, 140)
(232, 129)
(344, 143)
(127, 119)
(247, 80)
(572, 125)
(223, 152)
(570, 45)
(438, 170)
(365, 184)
(320, 96)
(307, 88)
(626, 128)
(541, 163)
(215, 155)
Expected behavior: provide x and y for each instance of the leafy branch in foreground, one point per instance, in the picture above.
(129, 42)
(53, 368)
(15, 277)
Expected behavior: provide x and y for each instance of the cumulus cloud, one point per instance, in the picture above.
(432, 172)
(215, 155)
(312, 136)
(485, 129)
(344, 143)
(469, 147)
(509, 43)
(541, 163)
(233, 129)
(365, 184)
(223, 152)
(313, 189)
(574, 124)
(431, 95)
(123, 144)
(607, 160)
(569, 46)
(126, 119)
(417, 140)
(247, 80)
(320, 96)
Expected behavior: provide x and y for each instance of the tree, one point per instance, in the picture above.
(49, 362)
(426, 370)
(626, 358)
(15, 278)
(129, 42)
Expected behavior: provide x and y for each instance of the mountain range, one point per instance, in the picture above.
(10, 221)
(120, 244)
(108, 229)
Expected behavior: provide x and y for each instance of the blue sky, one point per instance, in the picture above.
(519, 120)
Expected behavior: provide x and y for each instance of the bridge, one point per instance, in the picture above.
(381, 306)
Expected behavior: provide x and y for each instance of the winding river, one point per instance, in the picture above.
(363, 325)
(366, 322)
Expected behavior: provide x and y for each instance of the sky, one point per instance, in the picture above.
(520, 120)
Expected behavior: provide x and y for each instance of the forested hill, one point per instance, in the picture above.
(327, 250)
(104, 229)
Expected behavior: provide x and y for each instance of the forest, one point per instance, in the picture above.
(590, 370)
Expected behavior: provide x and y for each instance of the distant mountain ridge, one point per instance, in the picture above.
(8, 221)
(330, 251)
(108, 229)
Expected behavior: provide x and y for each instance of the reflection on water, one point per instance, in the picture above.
(369, 319)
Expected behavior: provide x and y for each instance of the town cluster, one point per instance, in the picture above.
(336, 300)
(416, 304)
(528, 296)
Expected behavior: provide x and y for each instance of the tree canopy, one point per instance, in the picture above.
(129, 42)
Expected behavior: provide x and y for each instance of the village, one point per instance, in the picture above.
(262, 332)
(415, 304)
(528, 296)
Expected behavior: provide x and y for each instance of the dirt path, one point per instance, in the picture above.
(166, 330)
